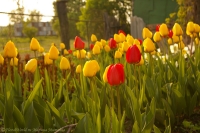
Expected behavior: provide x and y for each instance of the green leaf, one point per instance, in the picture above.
(76, 115)
(150, 87)
(48, 87)
(122, 122)
(98, 123)
(168, 129)
(193, 102)
(156, 130)
(107, 120)
(136, 128)
(175, 73)
(169, 111)
(56, 114)
(18, 117)
(115, 122)
(17, 82)
(68, 103)
(48, 123)
(32, 95)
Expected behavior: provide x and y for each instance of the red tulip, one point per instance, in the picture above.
(170, 33)
(112, 43)
(121, 31)
(78, 43)
(91, 46)
(133, 55)
(115, 74)
(157, 27)
(140, 41)
(70, 51)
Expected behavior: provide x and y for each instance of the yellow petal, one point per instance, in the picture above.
(64, 63)
(34, 45)
(31, 65)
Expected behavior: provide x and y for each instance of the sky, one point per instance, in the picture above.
(45, 7)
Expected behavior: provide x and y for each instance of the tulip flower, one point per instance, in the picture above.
(78, 69)
(96, 50)
(89, 55)
(118, 54)
(149, 46)
(90, 68)
(107, 48)
(70, 51)
(121, 31)
(105, 79)
(117, 38)
(136, 41)
(53, 52)
(146, 33)
(31, 65)
(163, 30)
(41, 49)
(122, 36)
(170, 35)
(93, 38)
(157, 27)
(10, 50)
(190, 28)
(78, 43)
(177, 30)
(66, 52)
(99, 44)
(1, 60)
(103, 42)
(125, 46)
(153, 53)
(169, 41)
(91, 46)
(181, 45)
(133, 55)
(157, 37)
(175, 39)
(64, 63)
(47, 61)
(130, 40)
(196, 41)
(141, 61)
(62, 45)
(115, 74)
(34, 45)
(15, 62)
(196, 28)
(140, 41)
(112, 43)
(81, 54)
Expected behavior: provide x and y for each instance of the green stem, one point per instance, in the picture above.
(112, 99)
(54, 83)
(119, 105)
(35, 54)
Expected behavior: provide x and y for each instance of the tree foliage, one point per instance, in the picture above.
(29, 31)
(34, 16)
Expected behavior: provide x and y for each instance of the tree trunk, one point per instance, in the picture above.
(63, 21)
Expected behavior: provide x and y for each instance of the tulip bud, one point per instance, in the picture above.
(90, 68)
(78, 43)
(105, 79)
(107, 48)
(117, 38)
(118, 54)
(80, 54)
(190, 27)
(62, 45)
(10, 50)
(47, 60)
(78, 69)
(125, 46)
(96, 49)
(177, 30)
(91, 46)
(53, 52)
(197, 41)
(15, 62)
(133, 55)
(170, 35)
(163, 30)
(89, 55)
(121, 31)
(31, 65)
(130, 39)
(41, 49)
(149, 46)
(1, 60)
(99, 44)
(93, 38)
(146, 33)
(66, 52)
(34, 45)
(157, 37)
(122, 36)
(136, 41)
(181, 45)
(103, 42)
(169, 40)
(64, 63)
(112, 43)
(196, 28)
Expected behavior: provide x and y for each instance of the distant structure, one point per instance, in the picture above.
(44, 29)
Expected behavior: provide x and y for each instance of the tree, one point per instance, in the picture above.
(35, 16)
(17, 15)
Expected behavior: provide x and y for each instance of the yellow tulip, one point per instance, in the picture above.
(34, 45)
(125, 46)
(53, 52)
(103, 42)
(64, 63)
(96, 49)
(117, 38)
(90, 68)
(47, 60)
(175, 38)
(149, 46)
(41, 49)
(1, 60)
(118, 54)
(105, 79)
(31, 65)
(136, 41)
(122, 36)
(78, 69)
(177, 30)
(15, 63)
(75, 53)
(107, 48)
(190, 28)
(99, 44)
(181, 45)
(146, 33)
(93, 38)
(157, 37)
(62, 45)
(89, 55)
(141, 61)
(66, 52)
(196, 28)
(139, 47)
(169, 40)
(80, 54)
(163, 30)
(10, 50)
(130, 40)
(196, 41)
(153, 53)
